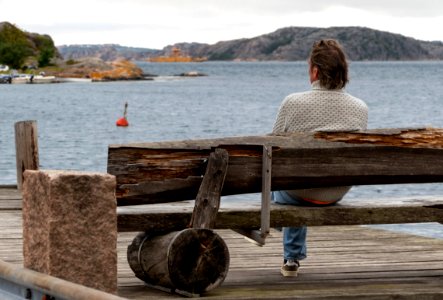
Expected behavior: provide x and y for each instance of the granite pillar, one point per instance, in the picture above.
(70, 226)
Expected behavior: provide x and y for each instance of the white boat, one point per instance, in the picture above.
(42, 79)
(20, 78)
(71, 79)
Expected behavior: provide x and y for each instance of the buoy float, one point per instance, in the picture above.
(123, 121)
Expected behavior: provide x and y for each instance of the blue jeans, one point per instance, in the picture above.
(294, 238)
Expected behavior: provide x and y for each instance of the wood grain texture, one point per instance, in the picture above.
(26, 146)
(207, 202)
(191, 260)
(165, 217)
(172, 171)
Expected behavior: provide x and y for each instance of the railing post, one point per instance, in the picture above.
(26, 148)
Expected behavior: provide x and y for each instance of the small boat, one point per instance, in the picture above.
(21, 78)
(43, 79)
(5, 78)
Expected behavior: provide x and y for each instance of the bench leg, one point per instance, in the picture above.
(258, 237)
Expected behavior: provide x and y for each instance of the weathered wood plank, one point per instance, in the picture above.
(157, 217)
(172, 171)
(26, 146)
(391, 266)
(207, 202)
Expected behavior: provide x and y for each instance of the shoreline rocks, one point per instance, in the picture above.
(94, 69)
(99, 70)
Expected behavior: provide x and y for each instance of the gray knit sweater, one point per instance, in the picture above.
(321, 110)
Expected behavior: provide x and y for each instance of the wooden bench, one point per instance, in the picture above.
(177, 237)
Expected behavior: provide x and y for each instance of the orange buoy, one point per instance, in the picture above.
(123, 121)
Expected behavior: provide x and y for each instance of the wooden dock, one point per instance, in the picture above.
(345, 262)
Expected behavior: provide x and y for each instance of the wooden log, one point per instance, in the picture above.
(26, 148)
(209, 194)
(164, 217)
(172, 171)
(192, 260)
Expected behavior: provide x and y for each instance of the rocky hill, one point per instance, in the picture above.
(107, 52)
(294, 43)
(287, 44)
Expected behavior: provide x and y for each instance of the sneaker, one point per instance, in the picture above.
(290, 268)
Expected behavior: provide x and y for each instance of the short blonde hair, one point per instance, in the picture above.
(330, 59)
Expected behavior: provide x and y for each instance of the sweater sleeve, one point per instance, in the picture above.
(280, 122)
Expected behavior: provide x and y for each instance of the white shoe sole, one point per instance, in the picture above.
(288, 273)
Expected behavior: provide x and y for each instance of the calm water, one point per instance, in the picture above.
(76, 121)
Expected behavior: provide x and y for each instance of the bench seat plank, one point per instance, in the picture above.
(241, 214)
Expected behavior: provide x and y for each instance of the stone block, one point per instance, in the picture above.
(70, 226)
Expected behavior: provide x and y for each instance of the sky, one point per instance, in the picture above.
(156, 24)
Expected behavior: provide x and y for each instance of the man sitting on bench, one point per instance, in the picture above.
(327, 107)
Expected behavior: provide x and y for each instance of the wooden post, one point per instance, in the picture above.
(207, 202)
(26, 146)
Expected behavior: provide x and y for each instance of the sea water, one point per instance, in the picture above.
(76, 121)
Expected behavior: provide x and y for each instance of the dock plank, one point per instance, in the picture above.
(247, 214)
(344, 262)
(325, 274)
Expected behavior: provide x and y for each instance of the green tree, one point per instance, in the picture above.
(46, 49)
(14, 46)
(45, 56)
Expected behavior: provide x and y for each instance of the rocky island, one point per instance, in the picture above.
(97, 69)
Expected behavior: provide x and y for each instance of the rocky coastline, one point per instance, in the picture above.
(98, 70)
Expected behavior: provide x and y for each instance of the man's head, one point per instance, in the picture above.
(327, 63)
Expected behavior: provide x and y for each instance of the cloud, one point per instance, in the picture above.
(398, 8)
(155, 24)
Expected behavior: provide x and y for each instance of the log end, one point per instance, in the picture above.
(198, 260)
(191, 260)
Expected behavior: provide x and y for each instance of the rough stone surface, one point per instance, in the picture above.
(70, 226)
